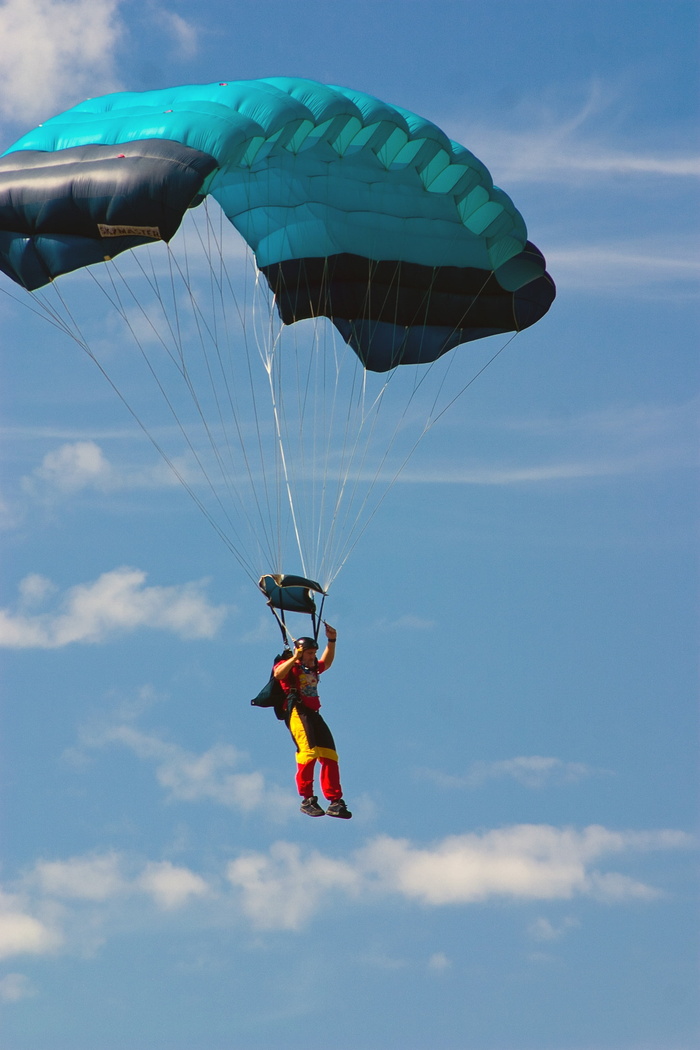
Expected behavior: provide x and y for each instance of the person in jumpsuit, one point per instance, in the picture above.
(298, 675)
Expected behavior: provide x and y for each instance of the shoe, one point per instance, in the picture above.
(338, 809)
(311, 807)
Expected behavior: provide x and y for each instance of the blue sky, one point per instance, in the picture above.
(515, 692)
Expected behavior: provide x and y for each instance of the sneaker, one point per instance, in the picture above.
(311, 807)
(339, 809)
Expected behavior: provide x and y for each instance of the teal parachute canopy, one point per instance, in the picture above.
(355, 209)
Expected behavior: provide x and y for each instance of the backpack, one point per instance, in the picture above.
(273, 695)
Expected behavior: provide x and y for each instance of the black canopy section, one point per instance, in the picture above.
(67, 209)
(393, 312)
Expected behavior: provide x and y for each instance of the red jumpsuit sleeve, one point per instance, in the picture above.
(290, 682)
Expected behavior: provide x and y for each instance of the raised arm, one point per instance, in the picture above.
(329, 651)
(282, 669)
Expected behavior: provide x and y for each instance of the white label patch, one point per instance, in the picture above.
(129, 231)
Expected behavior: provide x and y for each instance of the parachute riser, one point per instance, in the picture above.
(286, 633)
(287, 636)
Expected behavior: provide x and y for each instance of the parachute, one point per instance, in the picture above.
(370, 234)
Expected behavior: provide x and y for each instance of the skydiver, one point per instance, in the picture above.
(298, 676)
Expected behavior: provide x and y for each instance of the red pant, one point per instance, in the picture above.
(314, 742)
(330, 779)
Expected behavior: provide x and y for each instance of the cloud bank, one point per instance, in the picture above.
(283, 887)
(117, 602)
(57, 901)
(43, 915)
(104, 877)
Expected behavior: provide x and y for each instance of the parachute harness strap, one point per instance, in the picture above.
(318, 619)
(286, 634)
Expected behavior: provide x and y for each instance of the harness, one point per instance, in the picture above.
(273, 695)
(286, 593)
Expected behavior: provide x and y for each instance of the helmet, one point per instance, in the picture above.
(306, 643)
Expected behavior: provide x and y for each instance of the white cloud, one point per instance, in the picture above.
(535, 862)
(189, 777)
(94, 878)
(117, 602)
(184, 35)
(10, 516)
(34, 590)
(101, 878)
(533, 771)
(21, 933)
(554, 154)
(15, 986)
(672, 268)
(621, 439)
(64, 903)
(282, 889)
(54, 53)
(535, 473)
(171, 887)
(569, 149)
(72, 904)
(515, 862)
(544, 930)
(80, 466)
(75, 466)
